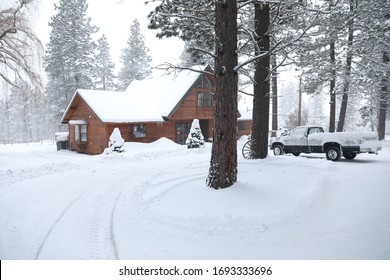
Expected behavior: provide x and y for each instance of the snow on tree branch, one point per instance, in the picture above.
(171, 68)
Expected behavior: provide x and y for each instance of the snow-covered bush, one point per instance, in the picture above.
(116, 142)
(195, 138)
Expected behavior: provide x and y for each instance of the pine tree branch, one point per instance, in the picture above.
(171, 68)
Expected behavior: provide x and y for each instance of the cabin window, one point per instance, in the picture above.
(242, 125)
(83, 133)
(138, 130)
(200, 99)
(205, 100)
(80, 132)
(204, 83)
(76, 133)
(209, 100)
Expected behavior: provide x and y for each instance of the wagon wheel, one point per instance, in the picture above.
(246, 150)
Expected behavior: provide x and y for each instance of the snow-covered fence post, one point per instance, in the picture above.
(116, 142)
(195, 138)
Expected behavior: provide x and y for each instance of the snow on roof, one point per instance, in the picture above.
(111, 106)
(245, 107)
(166, 90)
(245, 112)
(146, 100)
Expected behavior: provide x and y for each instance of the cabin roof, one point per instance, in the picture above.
(112, 106)
(151, 99)
(166, 91)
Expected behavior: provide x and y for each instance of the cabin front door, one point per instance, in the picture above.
(182, 130)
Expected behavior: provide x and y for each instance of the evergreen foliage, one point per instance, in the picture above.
(135, 58)
(116, 142)
(195, 138)
(190, 20)
(358, 34)
(104, 71)
(191, 57)
(70, 55)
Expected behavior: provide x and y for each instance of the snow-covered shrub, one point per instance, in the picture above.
(195, 138)
(116, 142)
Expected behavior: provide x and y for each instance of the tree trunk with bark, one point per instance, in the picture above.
(347, 72)
(383, 101)
(223, 163)
(332, 88)
(274, 96)
(260, 127)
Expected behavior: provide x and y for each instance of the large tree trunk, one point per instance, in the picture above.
(383, 101)
(332, 89)
(260, 127)
(274, 96)
(347, 72)
(223, 164)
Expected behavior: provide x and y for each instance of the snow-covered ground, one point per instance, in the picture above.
(152, 203)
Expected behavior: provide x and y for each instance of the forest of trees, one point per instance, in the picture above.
(31, 110)
(328, 41)
(338, 48)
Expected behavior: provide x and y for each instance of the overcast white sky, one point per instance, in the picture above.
(114, 18)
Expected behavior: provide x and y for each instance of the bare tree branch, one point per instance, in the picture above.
(171, 68)
(17, 44)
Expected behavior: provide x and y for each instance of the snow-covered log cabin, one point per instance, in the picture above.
(149, 109)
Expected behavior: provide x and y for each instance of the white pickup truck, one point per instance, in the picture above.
(313, 139)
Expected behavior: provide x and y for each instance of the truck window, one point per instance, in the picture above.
(299, 131)
(313, 130)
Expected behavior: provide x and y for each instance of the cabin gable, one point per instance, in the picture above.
(87, 133)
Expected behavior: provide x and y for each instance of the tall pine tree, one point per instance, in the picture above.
(373, 45)
(104, 66)
(70, 55)
(135, 58)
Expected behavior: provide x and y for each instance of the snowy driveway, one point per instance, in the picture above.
(152, 203)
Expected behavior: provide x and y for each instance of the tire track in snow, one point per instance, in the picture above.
(258, 231)
(159, 192)
(97, 209)
(54, 225)
(112, 234)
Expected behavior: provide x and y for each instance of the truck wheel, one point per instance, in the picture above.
(350, 155)
(278, 150)
(333, 153)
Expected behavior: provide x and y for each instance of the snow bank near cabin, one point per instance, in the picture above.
(161, 144)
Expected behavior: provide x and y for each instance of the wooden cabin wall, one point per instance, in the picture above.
(96, 131)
